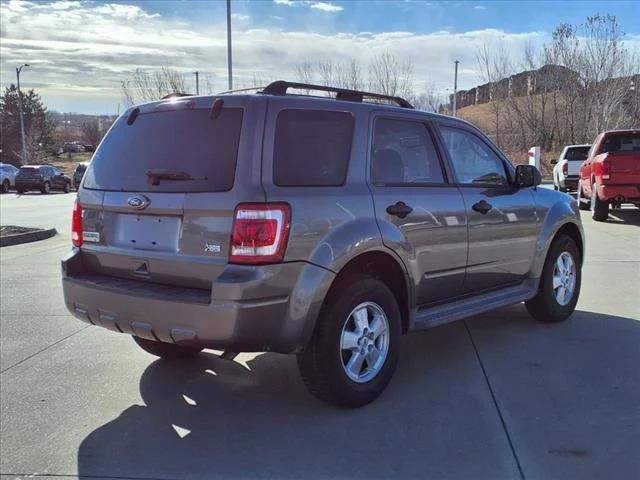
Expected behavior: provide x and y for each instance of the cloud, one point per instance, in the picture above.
(480, 7)
(83, 52)
(326, 7)
(323, 6)
(239, 16)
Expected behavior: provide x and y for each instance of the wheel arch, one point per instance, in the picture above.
(386, 267)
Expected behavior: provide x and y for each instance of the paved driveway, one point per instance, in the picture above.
(496, 397)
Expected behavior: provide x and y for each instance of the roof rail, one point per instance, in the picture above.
(280, 88)
(248, 89)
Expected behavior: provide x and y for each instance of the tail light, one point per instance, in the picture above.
(606, 170)
(76, 225)
(565, 168)
(260, 233)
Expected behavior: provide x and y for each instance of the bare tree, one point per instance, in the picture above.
(389, 76)
(145, 86)
(428, 100)
(91, 132)
(495, 66)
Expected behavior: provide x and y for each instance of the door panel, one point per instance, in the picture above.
(431, 234)
(501, 241)
(502, 218)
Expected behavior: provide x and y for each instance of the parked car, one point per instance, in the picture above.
(42, 177)
(566, 170)
(89, 147)
(73, 147)
(321, 227)
(7, 177)
(610, 176)
(79, 173)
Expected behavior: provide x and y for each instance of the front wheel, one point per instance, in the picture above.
(354, 350)
(46, 188)
(165, 350)
(559, 287)
(67, 187)
(5, 186)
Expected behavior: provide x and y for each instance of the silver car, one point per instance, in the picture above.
(325, 227)
(7, 177)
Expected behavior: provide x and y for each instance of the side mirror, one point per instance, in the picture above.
(554, 161)
(527, 176)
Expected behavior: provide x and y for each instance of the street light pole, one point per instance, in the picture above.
(229, 61)
(24, 143)
(197, 83)
(455, 88)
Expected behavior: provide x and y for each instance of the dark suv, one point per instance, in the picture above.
(323, 227)
(79, 173)
(42, 177)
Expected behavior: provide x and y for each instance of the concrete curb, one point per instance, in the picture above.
(27, 237)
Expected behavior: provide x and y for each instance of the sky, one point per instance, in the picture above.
(80, 51)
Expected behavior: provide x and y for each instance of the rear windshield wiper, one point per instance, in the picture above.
(176, 175)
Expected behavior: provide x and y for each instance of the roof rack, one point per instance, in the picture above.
(247, 89)
(280, 88)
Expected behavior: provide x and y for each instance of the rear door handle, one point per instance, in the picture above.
(399, 209)
(482, 207)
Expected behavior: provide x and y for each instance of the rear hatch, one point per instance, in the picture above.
(623, 154)
(159, 195)
(28, 175)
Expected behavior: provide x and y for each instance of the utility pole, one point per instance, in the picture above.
(24, 143)
(197, 83)
(455, 88)
(229, 60)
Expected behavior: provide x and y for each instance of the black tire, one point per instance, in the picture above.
(321, 364)
(599, 208)
(5, 186)
(167, 351)
(46, 188)
(563, 189)
(544, 306)
(582, 205)
(67, 187)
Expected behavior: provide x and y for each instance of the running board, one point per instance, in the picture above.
(428, 317)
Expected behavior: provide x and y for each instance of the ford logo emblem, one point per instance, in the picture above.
(138, 202)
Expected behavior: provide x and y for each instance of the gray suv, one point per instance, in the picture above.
(324, 227)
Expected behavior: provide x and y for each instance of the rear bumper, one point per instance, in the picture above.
(29, 185)
(228, 317)
(570, 182)
(629, 193)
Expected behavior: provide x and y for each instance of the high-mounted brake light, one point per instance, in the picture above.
(260, 233)
(76, 225)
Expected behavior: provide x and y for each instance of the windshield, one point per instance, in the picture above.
(185, 140)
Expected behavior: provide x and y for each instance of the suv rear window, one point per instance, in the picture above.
(186, 141)
(312, 148)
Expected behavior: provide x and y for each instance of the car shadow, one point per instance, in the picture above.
(213, 418)
(624, 216)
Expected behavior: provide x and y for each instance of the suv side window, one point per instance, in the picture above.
(404, 153)
(473, 161)
(312, 148)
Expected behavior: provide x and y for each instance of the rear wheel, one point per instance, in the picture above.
(168, 351)
(582, 202)
(599, 208)
(67, 187)
(46, 188)
(354, 349)
(559, 287)
(5, 186)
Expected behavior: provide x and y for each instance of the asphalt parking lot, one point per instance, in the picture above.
(498, 396)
